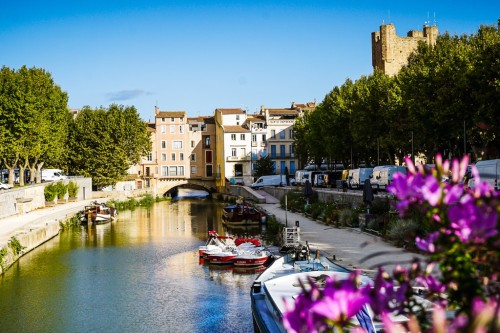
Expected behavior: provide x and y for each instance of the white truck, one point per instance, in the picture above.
(271, 180)
(49, 175)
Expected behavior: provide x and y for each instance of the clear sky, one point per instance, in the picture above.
(196, 56)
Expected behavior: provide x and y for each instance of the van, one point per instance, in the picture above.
(320, 180)
(382, 175)
(312, 177)
(489, 171)
(271, 180)
(49, 175)
(299, 174)
(358, 177)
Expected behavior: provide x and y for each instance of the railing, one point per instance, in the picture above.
(238, 158)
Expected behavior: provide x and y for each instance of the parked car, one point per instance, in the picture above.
(4, 186)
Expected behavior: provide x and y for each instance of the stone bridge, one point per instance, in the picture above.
(167, 186)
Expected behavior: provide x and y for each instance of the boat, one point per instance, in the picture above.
(241, 214)
(251, 258)
(222, 258)
(97, 213)
(279, 283)
(215, 242)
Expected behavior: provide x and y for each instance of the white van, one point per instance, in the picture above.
(299, 174)
(489, 171)
(382, 175)
(49, 175)
(272, 180)
(358, 177)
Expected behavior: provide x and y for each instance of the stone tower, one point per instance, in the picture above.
(390, 51)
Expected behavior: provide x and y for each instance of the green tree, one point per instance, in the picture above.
(264, 166)
(105, 143)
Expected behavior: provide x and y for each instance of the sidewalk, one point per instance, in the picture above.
(348, 246)
(9, 226)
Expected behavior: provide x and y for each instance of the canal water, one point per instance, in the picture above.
(140, 273)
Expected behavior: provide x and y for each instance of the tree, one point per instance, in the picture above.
(264, 166)
(105, 143)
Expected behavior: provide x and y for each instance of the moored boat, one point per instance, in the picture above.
(222, 258)
(97, 213)
(241, 214)
(251, 258)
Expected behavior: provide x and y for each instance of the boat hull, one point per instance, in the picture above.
(221, 259)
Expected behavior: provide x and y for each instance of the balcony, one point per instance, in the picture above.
(238, 158)
(283, 157)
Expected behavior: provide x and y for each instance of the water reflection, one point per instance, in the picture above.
(140, 273)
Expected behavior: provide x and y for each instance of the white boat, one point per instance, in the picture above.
(279, 283)
(97, 213)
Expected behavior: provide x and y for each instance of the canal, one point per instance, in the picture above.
(140, 273)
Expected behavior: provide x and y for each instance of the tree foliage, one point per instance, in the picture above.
(264, 166)
(105, 143)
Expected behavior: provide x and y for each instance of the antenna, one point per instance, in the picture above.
(389, 14)
(435, 19)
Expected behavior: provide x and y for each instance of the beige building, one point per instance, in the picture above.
(201, 137)
(390, 52)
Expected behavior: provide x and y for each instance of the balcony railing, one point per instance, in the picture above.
(238, 158)
(284, 156)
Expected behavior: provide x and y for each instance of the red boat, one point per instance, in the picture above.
(251, 259)
(222, 258)
(215, 242)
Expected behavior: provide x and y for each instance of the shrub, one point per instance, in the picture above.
(402, 232)
(73, 189)
(61, 189)
(16, 246)
(50, 192)
(348, 218)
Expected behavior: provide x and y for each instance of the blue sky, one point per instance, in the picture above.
(196, 56)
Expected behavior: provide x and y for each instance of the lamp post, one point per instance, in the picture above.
(286, 208)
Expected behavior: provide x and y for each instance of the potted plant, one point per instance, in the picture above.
(61, 190)
(72, 190)
(50, 193)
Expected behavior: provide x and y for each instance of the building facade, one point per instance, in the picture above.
(390, 52)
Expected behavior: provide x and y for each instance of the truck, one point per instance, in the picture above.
(271, 180)
(49, 175)
(382, 175)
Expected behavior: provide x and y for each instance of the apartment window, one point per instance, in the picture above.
(263, 138)
(181, 156)
(254, 137)
(163, 156)
(172, 171)
(273, 134)
(242, 137)
(233, 137)
(290, 134)
(237, 117)
(233, 152)
(243, 152)
(181, 129)
(207, 141)
(193, 170)
(162, 120)
(193, 157)
(172, 128)
(172, 119)
(291, 150)
(150, 157)
(177, 144)
(163, 129)
(180, 170)
(192, 143)
(172, 157)
(164, 170)
(282, 135)
(208, 170)
(208, 156)
(164, 144)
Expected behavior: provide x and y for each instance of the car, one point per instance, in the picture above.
(4, 186)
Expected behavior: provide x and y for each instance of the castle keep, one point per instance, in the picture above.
(390, 51)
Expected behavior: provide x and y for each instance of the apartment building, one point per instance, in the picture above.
(148, 166)
(201, 137)
(172, 145)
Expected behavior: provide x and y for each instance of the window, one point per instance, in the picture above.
(290, 134)
(163, 128)
(193, 157)
(163, 156)
(172, 157)
(242, 137)
(291, 150)
(172, 171)
(233, 152)
(181, 171)
(207, 142)
(273, 151)
(162, 120)
(208, 156)
(238, 170)
(150, 157)
(172, 128)
(237, 117)
(164, 144)
(282, 151)
(254, 137)
(192, 143)
(193, 170)
(164, 170)
(282, 135)
(181, 156)
(176, 144)
(263, 138)
(172, 119)
(208, 170)
(233, 137)
(181, 129)
(273, 134)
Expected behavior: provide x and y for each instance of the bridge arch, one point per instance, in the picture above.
(167, 187)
